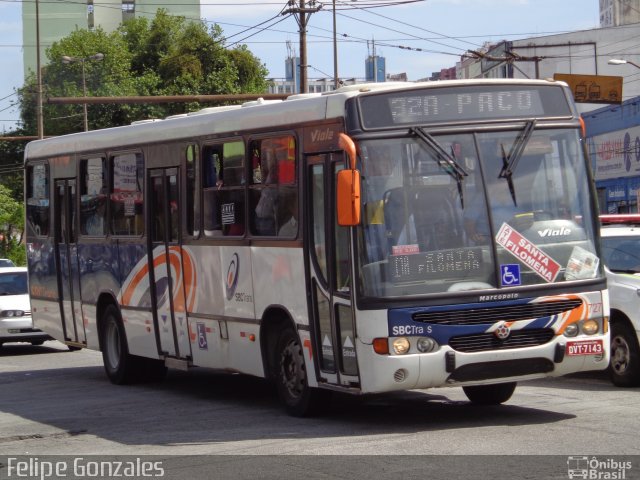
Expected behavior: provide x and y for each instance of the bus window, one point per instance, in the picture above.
(318, 212)
(273, 190)
(38, 199)
(93, 199)
(193, 219)
(126, 203)
(211, 180)
(223, 189)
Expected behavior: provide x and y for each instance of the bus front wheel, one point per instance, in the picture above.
(118, 364)
(490, 394)
(292, 384)
(122, 367)
(624, 367)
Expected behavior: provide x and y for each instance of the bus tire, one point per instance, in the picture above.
(624, 366)
(490, 394)
(291, 379)
(121, 368)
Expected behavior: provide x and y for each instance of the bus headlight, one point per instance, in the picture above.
(400, 345)
(590, 327)
(571, 330)
(12, 313)
(426, 344)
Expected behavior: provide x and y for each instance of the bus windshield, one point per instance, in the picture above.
(448, 213)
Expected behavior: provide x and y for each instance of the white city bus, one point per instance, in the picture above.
(380, 237)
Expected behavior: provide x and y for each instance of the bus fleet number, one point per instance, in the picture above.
(243, 297)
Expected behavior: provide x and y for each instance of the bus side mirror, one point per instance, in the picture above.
(348, 197)
(348, 186)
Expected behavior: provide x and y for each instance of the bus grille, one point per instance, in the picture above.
(490, 315)
(483, 342)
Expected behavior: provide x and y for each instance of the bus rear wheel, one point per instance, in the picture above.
(490, 394)
(292, 384)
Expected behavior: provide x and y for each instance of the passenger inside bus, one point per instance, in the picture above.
(265, 211)
(290, 208)
(95, 224)
(212, 182)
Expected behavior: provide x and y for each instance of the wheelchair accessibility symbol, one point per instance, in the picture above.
(510, 274)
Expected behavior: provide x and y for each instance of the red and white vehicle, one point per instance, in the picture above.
(380, 237)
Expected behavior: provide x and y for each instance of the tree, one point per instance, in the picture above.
(167, 55)
(11, 166)
(11, 227)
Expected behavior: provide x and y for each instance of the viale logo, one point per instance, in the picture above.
(555, 232)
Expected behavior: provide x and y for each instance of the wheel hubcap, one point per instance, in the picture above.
(292, 369)
(620, 355)
(113, 345)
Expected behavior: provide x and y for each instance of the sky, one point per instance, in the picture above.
(415, 38)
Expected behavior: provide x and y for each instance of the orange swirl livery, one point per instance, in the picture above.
(574, 315)
(183, 274)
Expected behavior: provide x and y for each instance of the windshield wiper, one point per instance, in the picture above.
(445, 160)
(510, 161)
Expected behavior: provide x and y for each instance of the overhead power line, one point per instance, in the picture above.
(167, 98)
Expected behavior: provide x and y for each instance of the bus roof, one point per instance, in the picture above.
(257, 114)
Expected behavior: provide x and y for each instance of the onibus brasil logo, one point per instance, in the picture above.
(598, 469)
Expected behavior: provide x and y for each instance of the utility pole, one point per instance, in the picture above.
(336, 82)
(302, 14)
(510, 58)
(39, 112)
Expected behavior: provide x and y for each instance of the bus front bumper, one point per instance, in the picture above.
(447, 367)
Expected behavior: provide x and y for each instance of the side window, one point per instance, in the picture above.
(318, 214)
(38, 199)
(126, 197)
(192, 207)
(273, 206)
(93, 196)
(343, 263)
(223, 184)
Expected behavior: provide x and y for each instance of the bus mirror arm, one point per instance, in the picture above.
(348, 186)
(346, 143)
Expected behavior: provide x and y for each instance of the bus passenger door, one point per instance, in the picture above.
(333, 328)
(167, 281)
(67, 261)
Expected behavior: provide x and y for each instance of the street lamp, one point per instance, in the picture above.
(96, 58)
(619, 61)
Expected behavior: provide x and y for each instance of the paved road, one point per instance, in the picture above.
(57, 402)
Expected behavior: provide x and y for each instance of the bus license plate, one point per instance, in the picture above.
(587, 347)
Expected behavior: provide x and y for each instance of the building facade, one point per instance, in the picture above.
(58, 19)
(613, 141)
(586, 52)
(614, 13)
(375, 68)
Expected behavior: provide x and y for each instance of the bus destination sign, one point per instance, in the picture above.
(489, 102)
(458, 263)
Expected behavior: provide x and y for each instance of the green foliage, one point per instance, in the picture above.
(11, 227)
(164, 56)
(11, 166)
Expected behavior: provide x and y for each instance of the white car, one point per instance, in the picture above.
(620, 235)
(16, 324)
